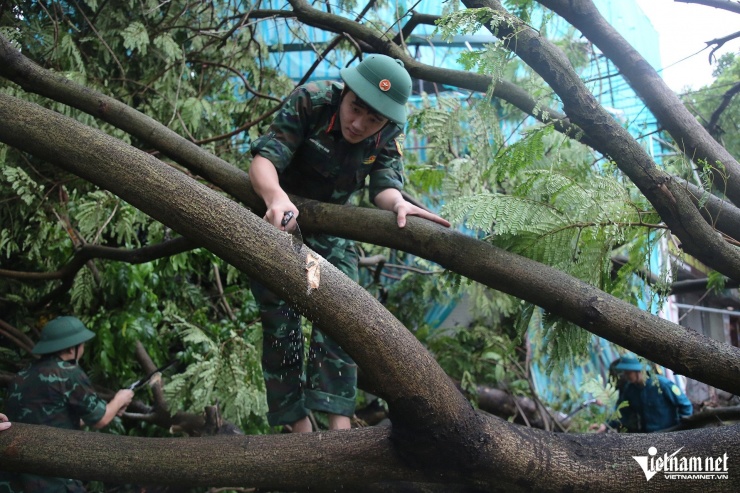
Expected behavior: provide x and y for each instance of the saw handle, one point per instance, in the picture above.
(287, 216)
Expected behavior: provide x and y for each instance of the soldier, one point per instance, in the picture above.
(655, 404)
(55, 391)
(4, 423)
(323, 144)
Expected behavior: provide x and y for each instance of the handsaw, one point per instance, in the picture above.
(143, 381)
(296, 232)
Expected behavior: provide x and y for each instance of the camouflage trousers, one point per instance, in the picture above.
(327, 381)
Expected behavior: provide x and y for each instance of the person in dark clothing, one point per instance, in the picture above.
(654, 404)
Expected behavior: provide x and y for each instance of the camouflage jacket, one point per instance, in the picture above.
(312, 158)
(56, 393)
(53, 392)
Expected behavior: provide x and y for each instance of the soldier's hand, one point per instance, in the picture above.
(123, 398)
(4, 423)
(405, 208)
(598, 428)
(276, 213)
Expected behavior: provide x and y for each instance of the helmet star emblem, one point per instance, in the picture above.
(384, 85)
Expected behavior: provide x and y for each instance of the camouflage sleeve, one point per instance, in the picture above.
(83, 400)
(287, 131)
(387, 171)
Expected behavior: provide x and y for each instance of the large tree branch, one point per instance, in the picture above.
(669, 199)
(684, 351)
(86, 253)
(718, 4)
(501, 458)
(89, 252)
(713, 124)
(600, 313)
(719, 213)
(692, 138)
(33, 78)
(19, 338)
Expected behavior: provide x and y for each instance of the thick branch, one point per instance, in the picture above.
(713, 125)
(19, 338)
(717, 4)
(670, 200)
(89, 252)
(722, 215)
(600, 313)
(691, 137)
(160, 404)
(33, 78)
(663, 342)
(506, 458)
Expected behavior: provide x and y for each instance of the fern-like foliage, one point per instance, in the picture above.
(542, 196)
(225, 370)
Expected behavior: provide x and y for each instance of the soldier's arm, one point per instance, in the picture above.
(4, 423)
(677, 398)
(265, 182)
(273, 153)
(115, 407)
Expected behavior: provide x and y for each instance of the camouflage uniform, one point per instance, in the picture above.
(313, 160)
(56, 393)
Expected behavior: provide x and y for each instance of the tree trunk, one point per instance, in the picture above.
(499, 457)
(668, 344)
(436, 435)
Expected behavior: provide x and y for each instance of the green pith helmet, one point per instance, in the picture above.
(382, 83)
(629, 362)
(62, 333)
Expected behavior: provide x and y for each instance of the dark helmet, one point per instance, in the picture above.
(383, 83)
(62, 333)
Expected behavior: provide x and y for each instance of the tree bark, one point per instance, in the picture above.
(684, 351)
(436, 435)
(693, 139)
(670, 200)
(500, 457)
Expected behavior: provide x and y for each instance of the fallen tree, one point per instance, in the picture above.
(437, 440)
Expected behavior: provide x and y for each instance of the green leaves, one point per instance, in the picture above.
(24, 187)
(169, 49)
(224, 368)
(136, 37)
(477, 356)
(468, 21)
(193, 110)
(502, 214)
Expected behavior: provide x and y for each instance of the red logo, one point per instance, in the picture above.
(384, 85)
